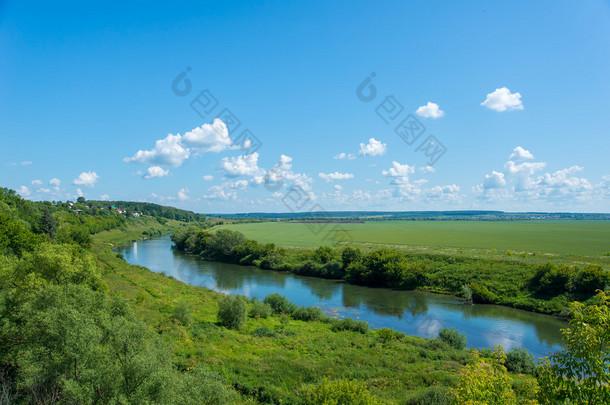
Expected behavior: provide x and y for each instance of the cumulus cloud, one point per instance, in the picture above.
(520, 154)
(23, 191)
(427, 169)
(79, 192)
(173, 150)
(449, 193)
(398, 170)
(430, 110)
(335, 176)
(54, 182)
(208, 177)
(167, 152)
(208, 137)
(344, 155)
(36, 182)
(86, 179)
(243, 165)
(373, 148)
(494, 180)
(24, 163)
(104, 197)
(183, 194)
(218, 193)
(503, 100)
(156, 171)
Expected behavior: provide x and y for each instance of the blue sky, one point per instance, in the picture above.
(514, 93)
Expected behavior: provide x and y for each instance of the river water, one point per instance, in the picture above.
(412, 312)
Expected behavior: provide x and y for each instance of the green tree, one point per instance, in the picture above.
(48, 224)
(339, 392)
(232, 312)
(580, 374)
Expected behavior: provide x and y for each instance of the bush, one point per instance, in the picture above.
(279, 304)
(182, 313)
(590, 279)
(453, 338)
(432, 396)
(349, 324)
(307, 314)
(263, 332)
(519, 360)
(232, 312)
(260, 310)
(387, 334)
(338, 392)
(481, 295)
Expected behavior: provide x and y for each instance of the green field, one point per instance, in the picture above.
(582, 238)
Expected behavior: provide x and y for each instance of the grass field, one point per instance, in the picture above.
(581, 238)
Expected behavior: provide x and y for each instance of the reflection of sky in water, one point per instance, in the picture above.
(414, 313)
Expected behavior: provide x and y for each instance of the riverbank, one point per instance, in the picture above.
(277, 367)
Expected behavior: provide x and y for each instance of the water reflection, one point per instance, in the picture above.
(412, 312)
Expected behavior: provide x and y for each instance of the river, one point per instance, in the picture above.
(412, 312)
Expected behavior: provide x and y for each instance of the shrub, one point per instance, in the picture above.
(481, 295)
(260, 310)
(453, 338)
(182, 313)
(232, 312)
(432, 396)
(387, 334)
(590, 279)
(350, 255)
(519, 360)
(338, 392)
(349, 324)
(279, 304)
(307, 314)
(263, 332)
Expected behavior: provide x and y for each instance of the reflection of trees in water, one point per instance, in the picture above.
(546, 326)
(384, 301)
(226, 275)
(321, 288)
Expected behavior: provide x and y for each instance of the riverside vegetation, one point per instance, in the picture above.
(78, 324)
(546, 288)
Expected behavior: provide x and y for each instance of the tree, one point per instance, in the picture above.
(580, 373)
(48, 224)
(223, 241)
(232, 312)
(80, 200)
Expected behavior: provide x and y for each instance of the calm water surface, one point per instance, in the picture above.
(413, 312)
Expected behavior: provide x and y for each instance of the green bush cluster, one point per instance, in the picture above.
(260, 310)
(519, 360)
(453, 338)
(232, 311)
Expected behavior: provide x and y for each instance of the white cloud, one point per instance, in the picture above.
(344, 155)
(36, 182)
(44, 190)
(86, 179)
(156, 171)
(494, 180)
(502, 100)
(373, 148)
(427, 169)
(23, 191)
(183, 194)
(335, 176)
(79, 192)
(430, 110)
(449, 193)
(208, 137)
(218, 193)
(105, 197)
(243, 165)
(520, 154)
(167, 152)
(338, 187)
(208, 177)
(24, 163)
(398, 170)
(54, 182)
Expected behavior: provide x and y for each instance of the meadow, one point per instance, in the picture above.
(579, 238)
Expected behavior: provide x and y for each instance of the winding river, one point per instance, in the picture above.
(412, 312)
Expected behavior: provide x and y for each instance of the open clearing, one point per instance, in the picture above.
(585, 238)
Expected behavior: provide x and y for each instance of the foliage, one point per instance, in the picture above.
(307, 314)
(580, 374)
(519, 360)
(260, 310)
(431, 396)
(232, 312)
(349, 324)
(263, 332)
(182, 313)
(279, 304)
(487, 383)
(453, 338)
(338, 392)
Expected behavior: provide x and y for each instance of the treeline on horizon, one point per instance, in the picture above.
(546, 288)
